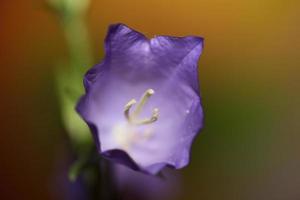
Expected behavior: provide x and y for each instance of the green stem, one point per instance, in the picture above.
(78, 42)
(96, 173)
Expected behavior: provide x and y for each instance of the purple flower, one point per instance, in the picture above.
(142, 102)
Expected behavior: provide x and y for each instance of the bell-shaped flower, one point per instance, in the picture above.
(142, 102)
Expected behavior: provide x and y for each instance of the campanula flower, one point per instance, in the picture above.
(142, 102)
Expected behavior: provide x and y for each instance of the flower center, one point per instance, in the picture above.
(132, 132)
(134, 117)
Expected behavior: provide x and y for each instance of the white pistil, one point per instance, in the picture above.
(142, 102)
(129, 133)
(133, 118)
(127, 108)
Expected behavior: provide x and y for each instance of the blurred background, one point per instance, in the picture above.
(250, 82)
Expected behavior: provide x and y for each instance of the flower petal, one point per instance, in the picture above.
(133, 64)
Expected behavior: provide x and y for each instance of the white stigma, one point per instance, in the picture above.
(131, 132)
(134, 117)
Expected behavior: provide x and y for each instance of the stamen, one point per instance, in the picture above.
(134, 117)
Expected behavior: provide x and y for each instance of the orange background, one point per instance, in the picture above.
(250, 82)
